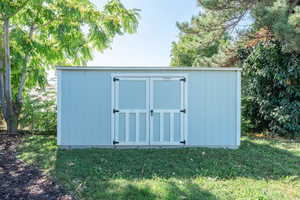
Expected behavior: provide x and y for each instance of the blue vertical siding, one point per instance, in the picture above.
(85, 108)
(212, 108)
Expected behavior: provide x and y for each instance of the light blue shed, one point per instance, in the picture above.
(148, 107)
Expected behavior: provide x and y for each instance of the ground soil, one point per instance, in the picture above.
(21, 181)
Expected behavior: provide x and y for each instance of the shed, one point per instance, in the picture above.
(148, 107)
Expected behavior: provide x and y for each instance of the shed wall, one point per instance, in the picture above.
(85, 107)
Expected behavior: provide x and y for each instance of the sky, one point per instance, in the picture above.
(151, 45)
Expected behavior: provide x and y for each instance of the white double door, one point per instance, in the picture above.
(149, 110)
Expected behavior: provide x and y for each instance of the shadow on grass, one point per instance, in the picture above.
(252, 160)
(169, 190)
(98, 171)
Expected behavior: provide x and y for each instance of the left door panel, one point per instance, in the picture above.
(130, 111)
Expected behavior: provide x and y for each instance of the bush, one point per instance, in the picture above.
(39, 112)
(271, 88)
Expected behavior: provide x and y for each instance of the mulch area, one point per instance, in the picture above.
(21, 181)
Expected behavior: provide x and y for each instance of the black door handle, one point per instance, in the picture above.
(151, 112)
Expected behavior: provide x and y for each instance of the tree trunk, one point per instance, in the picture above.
(12, 123)
(11, 117)
(2, 79)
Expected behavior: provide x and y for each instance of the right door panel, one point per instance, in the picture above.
(167, 111)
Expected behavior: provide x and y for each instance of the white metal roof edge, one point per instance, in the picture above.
(148, 68)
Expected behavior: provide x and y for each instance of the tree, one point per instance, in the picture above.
(187, 52)
(240, 19)
(38, 34)
(272, 88)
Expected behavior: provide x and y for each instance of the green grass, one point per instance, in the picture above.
(260, 169)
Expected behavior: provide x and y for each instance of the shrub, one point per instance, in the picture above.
(271, 88)
(39, 112)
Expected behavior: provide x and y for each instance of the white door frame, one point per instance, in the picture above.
(149, 95)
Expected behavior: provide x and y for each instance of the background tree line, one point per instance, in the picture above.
(263, 38)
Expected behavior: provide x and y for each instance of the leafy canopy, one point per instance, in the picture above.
(44, 33)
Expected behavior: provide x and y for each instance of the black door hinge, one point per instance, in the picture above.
(115, 79)
(183, 111)
(115, 110)
(115, 142)
(182, 142)
(183, 79)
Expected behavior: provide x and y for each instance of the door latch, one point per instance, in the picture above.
(182, 142)
(115, 142)
(151, 112)
(183, 111)
(115, 110)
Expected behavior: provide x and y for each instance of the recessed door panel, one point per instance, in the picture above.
(132, 94)
(166, 94)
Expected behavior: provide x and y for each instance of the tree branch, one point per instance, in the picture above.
(24, 70)
(48, 23)
(296, 2)
(20, 8)
(293, 5)
(238, 19)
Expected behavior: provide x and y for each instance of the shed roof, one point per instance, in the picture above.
(166, 68)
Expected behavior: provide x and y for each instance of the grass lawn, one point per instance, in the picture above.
(261, 169)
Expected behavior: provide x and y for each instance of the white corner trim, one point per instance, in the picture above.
(238, 109)
(187, 109)
(112, 132)
(58, 101)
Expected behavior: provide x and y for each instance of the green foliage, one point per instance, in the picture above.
(205, 39)
(222, 25)
(254, 171)
(39, 112)
(282, 17)
(272, 88)
(45, 33)
(186, 52)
